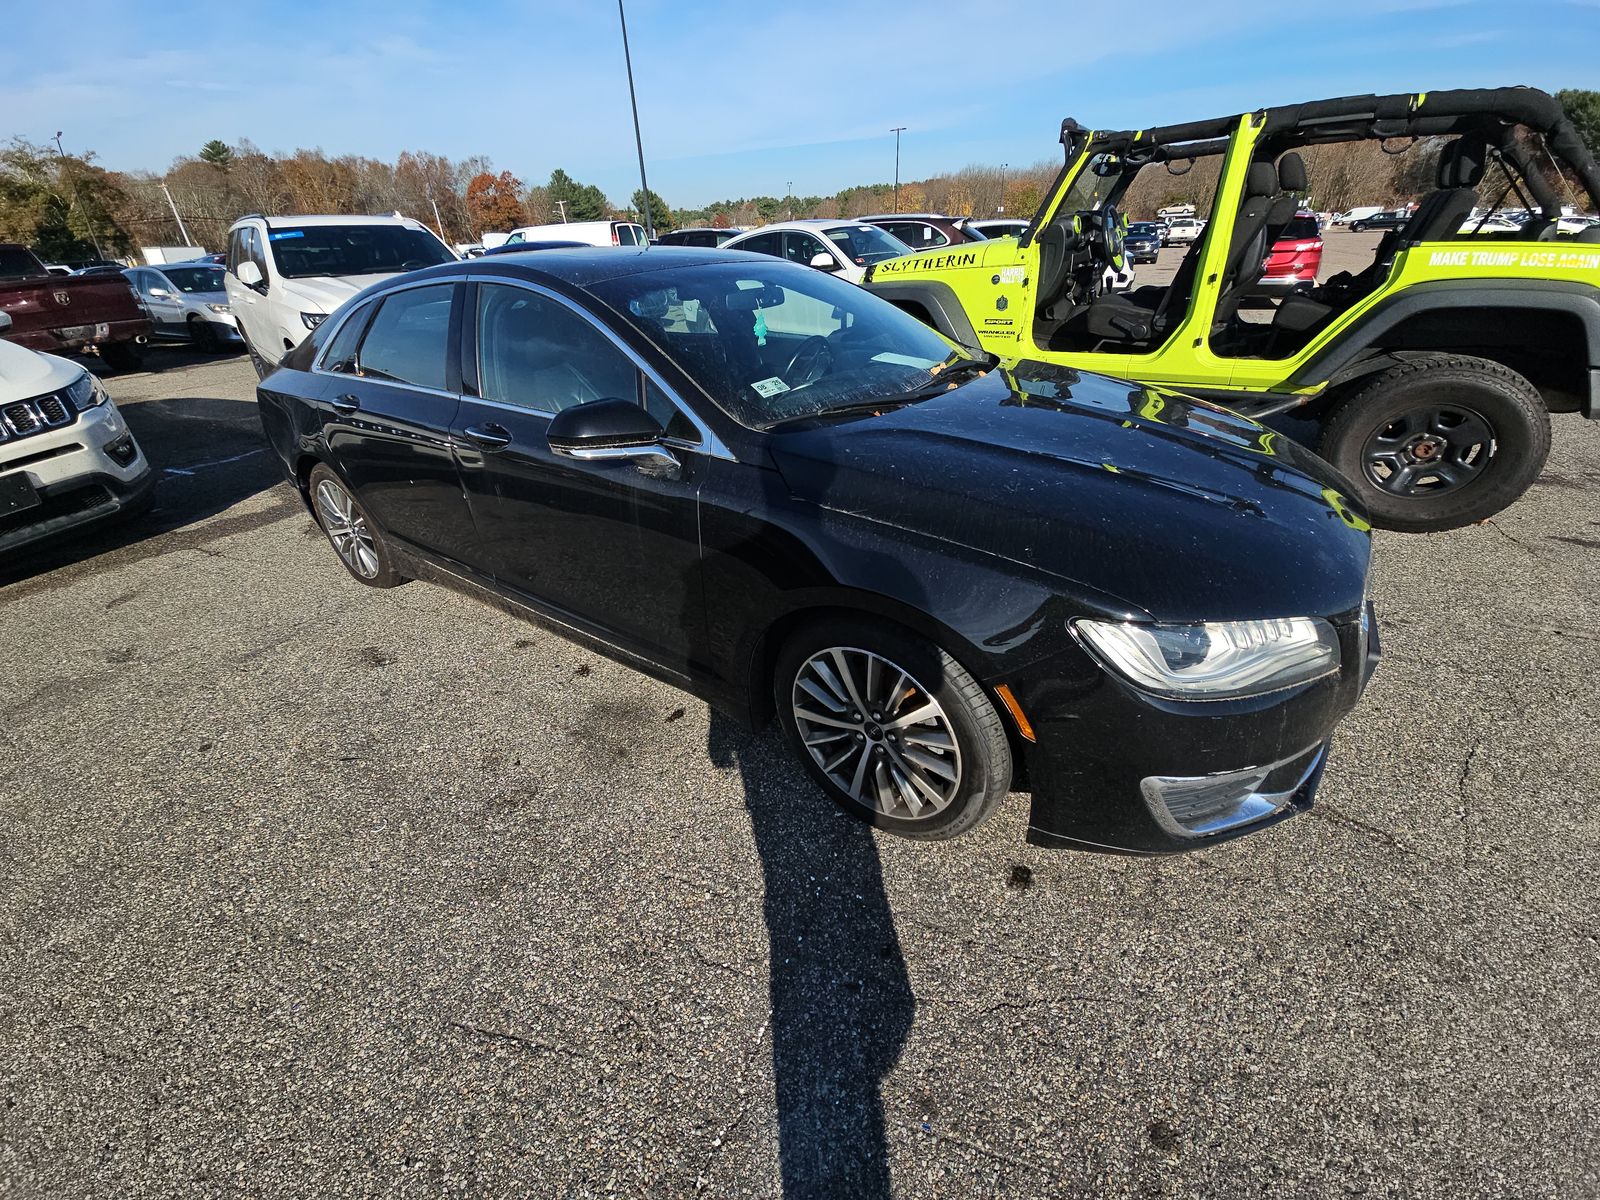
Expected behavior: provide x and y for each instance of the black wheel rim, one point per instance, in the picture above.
(1428, 451)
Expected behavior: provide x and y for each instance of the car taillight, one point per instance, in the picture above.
(615, 241)
(1303, 247)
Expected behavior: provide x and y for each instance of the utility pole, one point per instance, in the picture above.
(638, 138)
(897, 131)
(437, 221)
(187, 240)
(562, 205)
(1001, 211)
(789, 198)
(78, 200)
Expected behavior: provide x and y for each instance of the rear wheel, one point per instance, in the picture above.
(354, 536)
(1439, 442)
(892, 727)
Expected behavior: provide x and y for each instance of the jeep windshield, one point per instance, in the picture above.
(1093, 184)
(311, 250)
(774, 343)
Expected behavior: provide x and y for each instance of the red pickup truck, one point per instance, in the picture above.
(67, 314)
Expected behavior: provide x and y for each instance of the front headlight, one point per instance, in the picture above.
(1215, 660)
(85, 392)
(220, 308)
(312, 320)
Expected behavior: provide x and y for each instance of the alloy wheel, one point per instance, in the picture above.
(877, 733)
(1427, 451)
(347, 529)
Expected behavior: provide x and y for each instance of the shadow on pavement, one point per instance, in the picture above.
(842, 1004)
(208, 455)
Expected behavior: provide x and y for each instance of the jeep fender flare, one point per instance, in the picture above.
(937, 300)
(1359, 350)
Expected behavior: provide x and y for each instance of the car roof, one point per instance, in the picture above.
(592, 264)
(332, 219)
(810, 223)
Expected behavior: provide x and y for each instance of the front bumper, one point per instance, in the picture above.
(1117, 770)
(85, 472)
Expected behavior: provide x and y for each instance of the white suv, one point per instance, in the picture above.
(286, 274)
(66, 456)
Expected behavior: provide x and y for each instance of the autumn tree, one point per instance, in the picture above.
(494, 202)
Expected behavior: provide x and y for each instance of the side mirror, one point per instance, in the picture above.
(250, 274)
(5, 321)
(823, 261)
(609, 430)
(160, 293)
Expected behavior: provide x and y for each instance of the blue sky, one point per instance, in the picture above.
(736, 98)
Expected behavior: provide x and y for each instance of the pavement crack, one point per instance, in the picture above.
(1512, 538)
(702, 1179)
(1325, 811)
(516, 1039)
(1461, 796)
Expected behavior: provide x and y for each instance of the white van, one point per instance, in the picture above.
(592, 233)
(286, 274)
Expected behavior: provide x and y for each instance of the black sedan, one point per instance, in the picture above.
(1384, 220)
(946, 576)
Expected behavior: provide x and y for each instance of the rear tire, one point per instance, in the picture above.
(847, 691)
(355, 537)
(122, 356)
(1433, 404)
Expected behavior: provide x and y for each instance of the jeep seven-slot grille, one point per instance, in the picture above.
(22, 418)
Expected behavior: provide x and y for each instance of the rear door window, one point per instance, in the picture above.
(409, 338)
(763, 243)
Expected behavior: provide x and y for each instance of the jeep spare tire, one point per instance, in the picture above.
(1438, 441)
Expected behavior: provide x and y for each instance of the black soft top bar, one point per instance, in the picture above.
(1347, 118)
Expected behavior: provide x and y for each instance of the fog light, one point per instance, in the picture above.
(1195, 805)
(122, 451)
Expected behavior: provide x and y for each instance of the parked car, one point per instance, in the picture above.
(999, 227)
(1488, 224)
(927, 231)
(286, 274)
(1380, 220)
(1359, 213)
(1295, 258)
(1142, 241)
(786, 495)
(58, 268)
(69, 314)
(845, 248)
(698, 237)
(592, 233)
(187, 301)
(1183, 230)
(524, 247)
(67, 458)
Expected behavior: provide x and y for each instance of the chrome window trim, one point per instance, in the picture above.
(709, 444)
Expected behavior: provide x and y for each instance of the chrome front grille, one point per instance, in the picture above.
(22, 418)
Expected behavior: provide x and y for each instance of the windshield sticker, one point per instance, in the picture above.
(767, 388)
(285, 233)
(903, 360)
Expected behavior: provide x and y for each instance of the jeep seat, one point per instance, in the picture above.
(1247, 252)
(1461, 170)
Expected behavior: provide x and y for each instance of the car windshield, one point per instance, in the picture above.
(775, 342)
(867, 244)
(1093, 184)
(195, 279)
(1144, 229)
(1300, 227)
(353, 250)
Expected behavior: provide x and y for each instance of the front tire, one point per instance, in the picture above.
(892, 727)
(203, 336)
(355, 537)
(1438, 442)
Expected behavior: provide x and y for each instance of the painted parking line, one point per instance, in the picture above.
(219, 462)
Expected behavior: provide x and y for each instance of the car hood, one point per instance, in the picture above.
(1142, 499)
(326, 294)
(24, 373)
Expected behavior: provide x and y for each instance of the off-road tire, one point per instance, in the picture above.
(1505, 400)
(985, 754)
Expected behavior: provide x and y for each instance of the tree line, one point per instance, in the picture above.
(69, 208)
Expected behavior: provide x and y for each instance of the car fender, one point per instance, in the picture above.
(938, 301)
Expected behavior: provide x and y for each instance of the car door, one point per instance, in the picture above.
(607, 544)
(388, 407)
(163, 302)
(249, 304)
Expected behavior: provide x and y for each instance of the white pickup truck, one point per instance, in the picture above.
(67, 458)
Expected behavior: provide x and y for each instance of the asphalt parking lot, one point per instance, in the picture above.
(315, 890)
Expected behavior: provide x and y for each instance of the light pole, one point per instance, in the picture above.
(1001, 211)
(78, 200)
(638, 139)
(897, 131)
(789, 198)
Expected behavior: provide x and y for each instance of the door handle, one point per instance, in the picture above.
(488, 437)
(346, 403)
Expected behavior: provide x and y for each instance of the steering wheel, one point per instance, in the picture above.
(810, 362)
(1111, 229)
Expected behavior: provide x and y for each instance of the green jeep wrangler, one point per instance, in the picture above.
(1427, 378)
